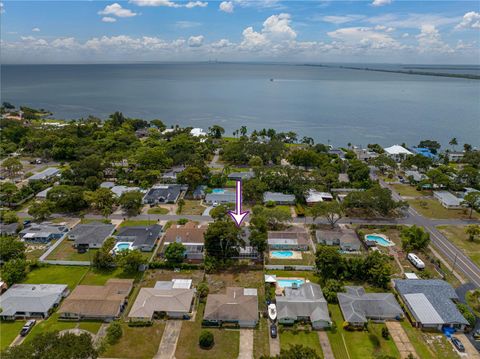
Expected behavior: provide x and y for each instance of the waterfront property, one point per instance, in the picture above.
(397, 153)
(220, 196)
(190, 235)
(448, 200)
(358, 307)
(296, 240)
(431, 303)
(90, 235)
(101, 302)
(303, 302)
(173, 299)
(278, 198)
(45, 175)
(31, 300)
(346, 239)
(313, 196)
(238, 307)
(43, 232)
(164, 193)
(141, 237)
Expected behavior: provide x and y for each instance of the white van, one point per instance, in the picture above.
(417, 262)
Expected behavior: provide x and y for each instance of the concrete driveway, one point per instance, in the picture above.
(168, 344)
(246, 344)
(274, 344)
(401, 339)
(470, 351)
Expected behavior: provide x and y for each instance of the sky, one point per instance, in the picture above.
(314, 31)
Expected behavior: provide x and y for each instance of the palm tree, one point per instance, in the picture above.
(453, 142)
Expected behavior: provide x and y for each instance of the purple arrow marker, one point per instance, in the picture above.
(238, 216)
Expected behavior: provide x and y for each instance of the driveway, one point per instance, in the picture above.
(325, 344)
(168, 344)
(401, 339)
(470, 350)
(274, 345)
(246, 344)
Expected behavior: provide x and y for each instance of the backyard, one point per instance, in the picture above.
(226, 340)
(237, 278)
(52, 274)
(457, 235)
(66, 252)
(308, 258)
(137, 342)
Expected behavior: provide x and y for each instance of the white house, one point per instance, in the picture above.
(397, 152)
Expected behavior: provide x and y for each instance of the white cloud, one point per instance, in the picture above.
(168, 3)
(2, 8)
(429, 40)
(221, 44)
(381, 2)
(406, 34)
(183, 24)
(36, 29)
(226, 6)
(116, 9)
(384, 28)
(412, 20)
(365, 37)
(108, 19)
(342, 19)
(471, 20)
(195, 41)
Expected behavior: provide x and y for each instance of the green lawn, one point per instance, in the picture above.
(226, 341)
(433, 209)
(90, 326)
(49, 325)
(137, 223)
(9, 331)
(192, 207)
(97, 277)
(157, 210)
(310, 339)
(474, 301)
(91, 220)
(457, 235)
(358, 344)
(408, 191)
(65, 251)
(261, 344)
(52, 274)
(137, 342)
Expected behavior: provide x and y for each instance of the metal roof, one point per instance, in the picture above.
(48, 172)
(422, 309)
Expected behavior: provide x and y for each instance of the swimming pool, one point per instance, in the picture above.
(121, 246)
(380, 239)
(281, 254)
(289, 282)
(218, 190)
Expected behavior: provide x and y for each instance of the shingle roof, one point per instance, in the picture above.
(163, 193)
(226, 196)
(241, 175)
(189, 233)
(234, 305)
(43, 229)
(357, 306)
(30, 298)
(305, 301)
(140, 234)
(439, 293)
(48, 172)
(278, 197)
(90, 233)
(288, 237)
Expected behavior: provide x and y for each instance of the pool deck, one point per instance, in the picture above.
(384, 237)
(295, 255)
(279, 290)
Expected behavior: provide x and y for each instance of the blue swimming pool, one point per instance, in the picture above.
(281, 254)
(289, 282)
(380, 240)
(121, 246)
(218, 190)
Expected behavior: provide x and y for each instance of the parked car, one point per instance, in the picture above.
(26, 222)
(27, 327)
(273, 331)
(476, 334)
(458, 344)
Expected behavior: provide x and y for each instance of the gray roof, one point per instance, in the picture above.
(278, 197)
(43, 194)
(448, 198)
(107, 184)
(227, 196)
(8, 229)
(91, 233)
(37, 298)
(241, 175)
(163, 193)
(358, 306)
(305, 301)
(43, 229)
(417, 176)
(46, 173)
(439, 293)
(140, 235)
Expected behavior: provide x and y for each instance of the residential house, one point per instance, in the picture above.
(358, 307)
(90, 235)
(346, 239)
(431, 303)
(199, 192)
(198, 132)
(45, 175)
(241, 176)
(415, 176)
(190, 235)
(279, 198)
(338, 152)
(170, 175)
(42, 195)
(118, 190)
(143, 238)
(174, 299)
(289, 240)
(303, 303)
(247, 251)
(238, 306)
(455, 156)
(23, 301)
(397, 153)
(97, 302)
(8, 229)
(164, 193)
(364, 154)
(43, 232)
(313, 196)
(341, 193)
(448, 200)
(220, 196)
(425, 152)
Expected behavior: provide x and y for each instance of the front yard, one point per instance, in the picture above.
(261, 343)
(192, 207)
(457, 235)
(431, 208)
(409, 191)
(307, 339)
(137, 342)
(226, 340)
(9, 331)
(158, 210)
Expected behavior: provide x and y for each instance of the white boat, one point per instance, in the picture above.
(272, 311)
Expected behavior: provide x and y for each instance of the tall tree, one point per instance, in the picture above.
(12, 166)
(222, 240)
(11, 248)
(131, 202)
(472, 200)
(41, 210)
(414, 238)
(453, 142)
(472, 231)
(332, 211)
